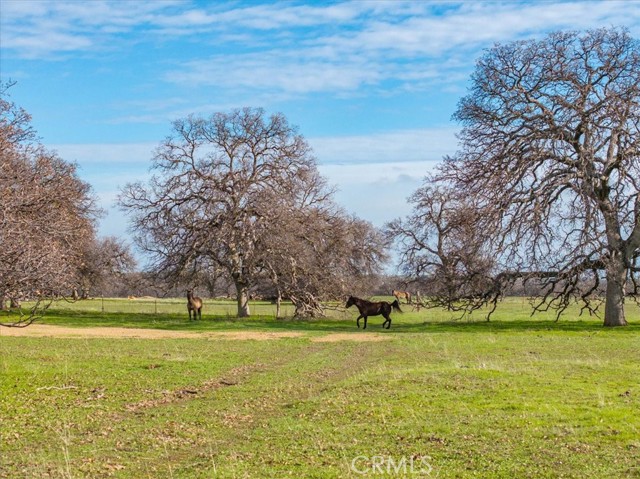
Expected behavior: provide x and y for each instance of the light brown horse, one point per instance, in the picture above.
(402, 294)
(194, 304)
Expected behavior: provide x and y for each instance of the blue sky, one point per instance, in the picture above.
(371, 85)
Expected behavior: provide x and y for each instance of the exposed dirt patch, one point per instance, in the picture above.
(47, 330)
(232, 378)
(359, 337)
(257, 335)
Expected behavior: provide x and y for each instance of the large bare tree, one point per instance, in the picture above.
(222, 188)
(550, 153)
(46, 215)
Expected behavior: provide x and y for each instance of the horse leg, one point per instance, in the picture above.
(200, 313)
(387, 321)
(358, 321)
(365, 323)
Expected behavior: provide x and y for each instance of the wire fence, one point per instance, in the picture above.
(160, 306)
(178, 306)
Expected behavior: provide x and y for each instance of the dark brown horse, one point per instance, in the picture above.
(194, 304)
(402, 294)
(367, 308)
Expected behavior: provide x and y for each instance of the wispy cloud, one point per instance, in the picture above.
(374, 174)
(480, 23)
(265, 17)
(44, 28)
(337, 49)
(407, 146)
(106, 153)
(278, 71)
(379, 191)
(385, 48)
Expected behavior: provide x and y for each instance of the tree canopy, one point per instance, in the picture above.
(47, 214)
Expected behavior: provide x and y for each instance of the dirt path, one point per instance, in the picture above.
(46, 330)
(360, 337)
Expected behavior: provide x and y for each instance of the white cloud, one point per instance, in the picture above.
(398, 29)
(293, 50)
(264, 17)
(107, 153)
(294, 73)
(400, 146)
(411, 51)
(377, 192)
(374, 173)
(395, 147)
(471, 26)
(376, 176)
(42, 29)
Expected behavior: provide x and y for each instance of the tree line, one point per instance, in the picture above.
(543, 193)
(48, 243)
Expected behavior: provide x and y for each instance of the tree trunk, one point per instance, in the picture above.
(614, 301)
(242, 293)
(278, 303)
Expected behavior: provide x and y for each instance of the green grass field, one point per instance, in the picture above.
(432, 397)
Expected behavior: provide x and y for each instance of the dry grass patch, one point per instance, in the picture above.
(359, 337)
(46, 330)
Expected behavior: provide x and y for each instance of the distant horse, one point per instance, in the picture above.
(367, 308)
(194, 304)
(402, 294)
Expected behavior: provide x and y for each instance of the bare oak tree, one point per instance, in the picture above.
(318, 254)
(550, 152)
(442, 250)
(103, 260)
(46, 215)
(221, 184)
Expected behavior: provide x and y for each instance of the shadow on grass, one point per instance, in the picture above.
(177, 322)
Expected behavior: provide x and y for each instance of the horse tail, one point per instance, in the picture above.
(396, 305)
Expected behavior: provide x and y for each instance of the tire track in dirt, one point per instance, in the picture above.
(231, 378)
